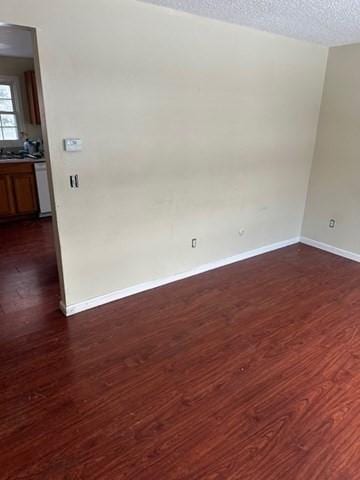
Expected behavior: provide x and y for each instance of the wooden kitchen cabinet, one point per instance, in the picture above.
(7, 206)
(18, 195)
(32, 97)
(25, 193)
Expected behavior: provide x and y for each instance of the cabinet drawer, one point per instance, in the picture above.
(10, 168)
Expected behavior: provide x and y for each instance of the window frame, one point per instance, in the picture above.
(14, 84)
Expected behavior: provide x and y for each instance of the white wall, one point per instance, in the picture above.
(191, 128)
(334, 190)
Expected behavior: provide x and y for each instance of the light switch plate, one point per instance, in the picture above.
(72, 144)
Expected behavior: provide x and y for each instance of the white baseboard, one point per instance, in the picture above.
(63, 308)
(330, 249)
(111, 297)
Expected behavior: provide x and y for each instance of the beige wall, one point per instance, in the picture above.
(191, 128)
(334, 190)
(15, 66)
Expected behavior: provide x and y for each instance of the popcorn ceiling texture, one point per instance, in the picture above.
(328, 22)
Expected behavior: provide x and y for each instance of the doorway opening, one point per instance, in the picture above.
(30, 267)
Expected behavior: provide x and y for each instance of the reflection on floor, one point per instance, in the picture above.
(247, 372)
(28, 273)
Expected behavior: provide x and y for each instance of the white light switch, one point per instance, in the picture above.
(72, 144)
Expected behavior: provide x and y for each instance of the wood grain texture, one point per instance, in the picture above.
(7, 204)
(32, 97)
(18, 192)
(25, 193)
(248, 372)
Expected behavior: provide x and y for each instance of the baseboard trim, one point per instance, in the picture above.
(63, 308)
(69, 310)
(330, 249)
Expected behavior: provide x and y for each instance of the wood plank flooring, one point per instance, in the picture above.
(248, 372)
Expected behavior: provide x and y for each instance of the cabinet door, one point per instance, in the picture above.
(32, 97)
(7, 204)
(25, 193)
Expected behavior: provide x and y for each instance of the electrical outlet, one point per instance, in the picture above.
(332, 223)
(194, 243)
(74, 181)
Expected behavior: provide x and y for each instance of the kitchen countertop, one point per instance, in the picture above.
(21, 160)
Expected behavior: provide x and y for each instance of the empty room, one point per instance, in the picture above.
(179, 240)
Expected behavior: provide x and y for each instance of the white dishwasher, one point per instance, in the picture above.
(43, 189)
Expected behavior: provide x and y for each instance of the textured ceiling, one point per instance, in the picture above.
(329, 22)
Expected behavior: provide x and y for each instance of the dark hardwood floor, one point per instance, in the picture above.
(248, 372)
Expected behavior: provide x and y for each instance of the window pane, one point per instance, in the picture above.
(10, 133)
(1, 135)
(5, 91)
(8, 120)
(6, 105)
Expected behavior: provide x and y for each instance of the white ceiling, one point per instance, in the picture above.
(328, 22)
(15, 42)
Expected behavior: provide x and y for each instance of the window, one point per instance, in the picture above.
(8, 115)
